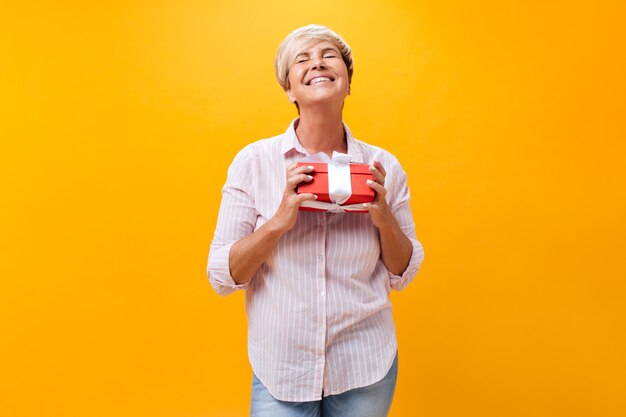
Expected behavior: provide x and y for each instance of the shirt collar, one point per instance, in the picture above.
(290, 141)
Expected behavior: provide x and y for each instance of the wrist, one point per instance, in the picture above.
(388, 225)
(274, 228)
(384, 216)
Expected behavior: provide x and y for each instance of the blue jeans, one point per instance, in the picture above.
(371, 401)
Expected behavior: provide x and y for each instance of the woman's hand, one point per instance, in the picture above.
(379, 210)
(248, 254)
(396, 248)
(286, 215)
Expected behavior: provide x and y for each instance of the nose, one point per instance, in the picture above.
(318, 64)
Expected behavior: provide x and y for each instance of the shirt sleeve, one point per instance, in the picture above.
(236, 219)
(399, 201)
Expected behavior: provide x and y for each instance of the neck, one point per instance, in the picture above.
(321, 132)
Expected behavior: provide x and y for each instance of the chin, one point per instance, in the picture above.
(329, 97)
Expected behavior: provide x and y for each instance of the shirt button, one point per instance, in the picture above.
(322, 293)
(320, 257)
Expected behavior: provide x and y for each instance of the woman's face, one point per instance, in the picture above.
(318, 74)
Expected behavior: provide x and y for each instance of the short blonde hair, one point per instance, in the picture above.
(285, 55)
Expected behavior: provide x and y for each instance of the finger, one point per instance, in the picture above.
(374, 208)
(380, 167)
(377, 187)
(378, 176)
(306, 197)
(294, 180)
(294, 169)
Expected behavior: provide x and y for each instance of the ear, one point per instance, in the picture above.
(290, 96)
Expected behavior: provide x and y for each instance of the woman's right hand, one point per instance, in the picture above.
(248, 254)
(286, 215)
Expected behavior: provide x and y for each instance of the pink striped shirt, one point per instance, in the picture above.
(319, 314)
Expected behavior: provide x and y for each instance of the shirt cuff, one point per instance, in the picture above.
(399, 282)
(218, 271)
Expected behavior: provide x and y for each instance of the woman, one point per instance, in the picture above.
(321, 337)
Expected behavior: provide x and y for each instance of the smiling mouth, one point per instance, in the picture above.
(318, 80)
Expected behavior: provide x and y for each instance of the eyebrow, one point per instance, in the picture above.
(329, 49)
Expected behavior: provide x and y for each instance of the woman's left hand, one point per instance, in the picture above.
(379, 210)
(396, 248)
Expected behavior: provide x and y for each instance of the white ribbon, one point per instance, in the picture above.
(333, 208)
(339, 183)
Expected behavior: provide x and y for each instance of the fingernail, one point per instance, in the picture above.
(370, 182)
(365, 205)
(309, 178)
(311, 167)
(315, 196)
(372, 167)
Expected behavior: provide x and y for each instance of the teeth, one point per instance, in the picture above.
(320, 79)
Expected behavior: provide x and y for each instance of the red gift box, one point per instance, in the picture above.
(359, 174)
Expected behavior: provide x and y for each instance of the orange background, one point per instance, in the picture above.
(118, 120)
